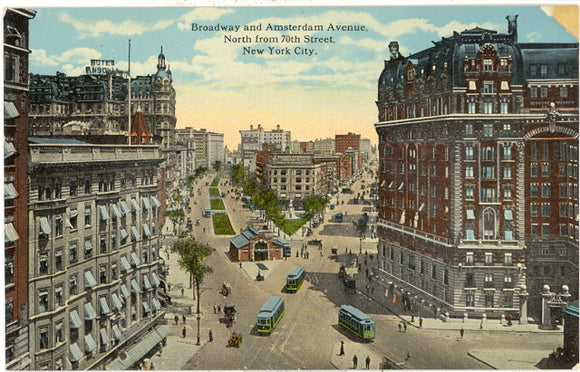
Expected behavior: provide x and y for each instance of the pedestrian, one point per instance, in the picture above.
(182, 290)
(176, 318)
(169, 286)
(367, 271)
(215, 308)
(183, 317)
(341, 348)
(210, 336)
(219, 309)
(354, 361)
(420, 322)
(481, 324)
(368, 361)
(405, 327)
(240, 265)
(408, 355)
(183, 332)
(372, 290)
(400, 326)
(461, 332)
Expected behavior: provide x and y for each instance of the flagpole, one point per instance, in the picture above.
(129, 93)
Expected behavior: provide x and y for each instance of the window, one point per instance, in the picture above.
(543, 71)
(469, 153)
(546, 170)
(534, 210)
(58, 335)
(73, 220)
(507, 171)
(43, 338)
(469, 258)
(470, 299)
(103, 244)
(546, 209)
(545, 229)
(58, 296)
(42, 300)
(504, 107)
(73, 285)
(469, 192)
(488, 130)
(469, 171)
(433, 271)
(488, 109)
(487, 64)
(507, 192)
(468, 129)
(548, 270)
(103, 274)
(87, 187)
(58, 225)
(546, 190)
(73, 188)
(471, 109)
(446, 276)
(508, 299)
(469, 280)
(488, 172)
(488, 195)
(88, 249)
(564, 92)
(487, 87)
(533, 92)
(488, 258)
(534, 190)
(562, 70)
(411, 262)
(533, 70)
(43, 261)
(402, 258)
(72, 253)
(507, 260)
(543, 92)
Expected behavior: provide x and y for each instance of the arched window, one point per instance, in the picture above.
(489, 224)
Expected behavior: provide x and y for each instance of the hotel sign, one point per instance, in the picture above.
(101, 67)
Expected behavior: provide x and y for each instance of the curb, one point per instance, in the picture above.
(481, 360)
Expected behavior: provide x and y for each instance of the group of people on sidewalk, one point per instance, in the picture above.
(354, 358)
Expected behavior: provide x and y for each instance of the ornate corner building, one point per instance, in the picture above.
(478, 172)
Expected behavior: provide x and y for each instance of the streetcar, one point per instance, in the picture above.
(270, 315)
(295, 279)
(357, 322)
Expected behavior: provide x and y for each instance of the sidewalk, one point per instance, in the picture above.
(172, 357)
(361, 350)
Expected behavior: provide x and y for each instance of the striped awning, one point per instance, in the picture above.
(146, 308)
(104, 306)
(10, 110)
(146, 282)
(125, 207)
(9, 149)
(116, 301)
(116, 211)
(135, 259)
(104, 336)
(75, 320)
(135, 286)
(104, 212)
(90, 313)
(141, 348)
(124, 234)
(125, 265)
(10, 234)
(156, 281)
(45, 226)
(155, 201)
(90, 344)
(145, 201)
(117, 334)
(10, 191)
(134, 233)
(156, 304)
(74, 353)
(146, 230)
(90, 279)
(135, 205)
(125, 291)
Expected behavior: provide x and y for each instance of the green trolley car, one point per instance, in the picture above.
(270, 315)
(357, 322)
(295, 279)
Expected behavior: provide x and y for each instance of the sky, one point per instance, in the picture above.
(224, 84)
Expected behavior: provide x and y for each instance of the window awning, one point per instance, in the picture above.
(90, 280)
(156, 304)
(124, 234)
(146, 230)
(422, 207)
(146, 204)
(75, 320)
(146, 308)
(470, 214)
(10, 234)
(156, 281)
(135, 205)
(90, 313)
(88, 212)
(146, 282)
(10, 110)
(10, 191)
(135, 259)
(117, 334)
(383, 183)
(508, 215)
(125, 265)
(116, 211)
(400, 188)
(104, 212)
(391, 185)
(135, 286)
(134, 233)
(74, 353)
(141, 349)
(90, 344)
(88, 245)
(156, 201)
(45, 226)
(116, 301)
(74, 213)
(104, 306)
(104, 336)
(125, 291)
(9, 149)
(125, 207)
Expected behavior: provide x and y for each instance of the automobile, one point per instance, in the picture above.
(347, 190)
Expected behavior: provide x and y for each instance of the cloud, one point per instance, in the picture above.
(78, 57)
(533, 36)
(100, 27)
(201, 14)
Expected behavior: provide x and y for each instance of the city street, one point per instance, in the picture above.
(308, 335)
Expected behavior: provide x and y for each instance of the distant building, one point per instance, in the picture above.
(343, 142)
(324, 146)
(478, 172)
(209, 146)
(252, 141)
(295, 176)
(16, 304)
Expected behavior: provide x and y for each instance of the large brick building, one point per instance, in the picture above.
(478, 173)
(16, 52)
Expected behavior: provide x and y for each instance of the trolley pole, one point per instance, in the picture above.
(198, 316)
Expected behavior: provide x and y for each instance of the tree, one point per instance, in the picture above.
(175, 216)
(314, 204)
(238, 174)
(191, 255)
(217, 166)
